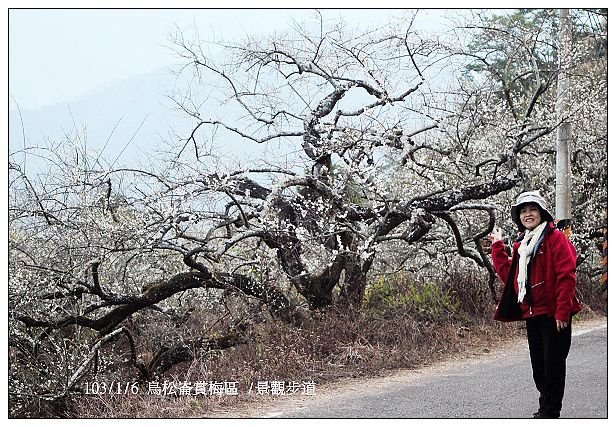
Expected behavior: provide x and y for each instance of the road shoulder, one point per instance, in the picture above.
(350, 388)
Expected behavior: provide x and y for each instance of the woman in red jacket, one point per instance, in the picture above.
(539, 282)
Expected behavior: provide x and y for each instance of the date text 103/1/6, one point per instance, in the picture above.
(114, 387)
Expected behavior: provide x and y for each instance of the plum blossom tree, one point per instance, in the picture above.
(347, 108)
(367, 159)
(518, 54)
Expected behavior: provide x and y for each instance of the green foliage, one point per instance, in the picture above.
(392, 293)
(520, 48)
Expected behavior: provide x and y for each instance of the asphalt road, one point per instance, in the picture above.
(494, 385)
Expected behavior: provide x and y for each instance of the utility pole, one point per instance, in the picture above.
(564, 136)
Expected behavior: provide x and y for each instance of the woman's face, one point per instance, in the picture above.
(530, 216)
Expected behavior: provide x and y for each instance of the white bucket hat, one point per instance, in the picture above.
(530, 197)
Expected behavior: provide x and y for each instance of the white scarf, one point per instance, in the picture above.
(525, 251)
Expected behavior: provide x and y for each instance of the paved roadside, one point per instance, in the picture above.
(493, 385)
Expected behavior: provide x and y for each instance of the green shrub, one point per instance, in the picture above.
(392, 293)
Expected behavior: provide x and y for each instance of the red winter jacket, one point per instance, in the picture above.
(552, 276)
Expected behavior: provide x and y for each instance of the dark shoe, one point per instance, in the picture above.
(541, 414)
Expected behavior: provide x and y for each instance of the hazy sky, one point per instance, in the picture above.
(59, 53)
(56, 55)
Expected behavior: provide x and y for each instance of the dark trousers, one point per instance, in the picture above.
(548, 357)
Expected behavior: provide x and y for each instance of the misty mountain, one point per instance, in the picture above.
(125, 123)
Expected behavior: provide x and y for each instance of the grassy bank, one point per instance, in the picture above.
(402, 325)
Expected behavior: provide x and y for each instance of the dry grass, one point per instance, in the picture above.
(337, 345)
(329, 346)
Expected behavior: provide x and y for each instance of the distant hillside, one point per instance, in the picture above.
(133, 108)
(128, 120)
